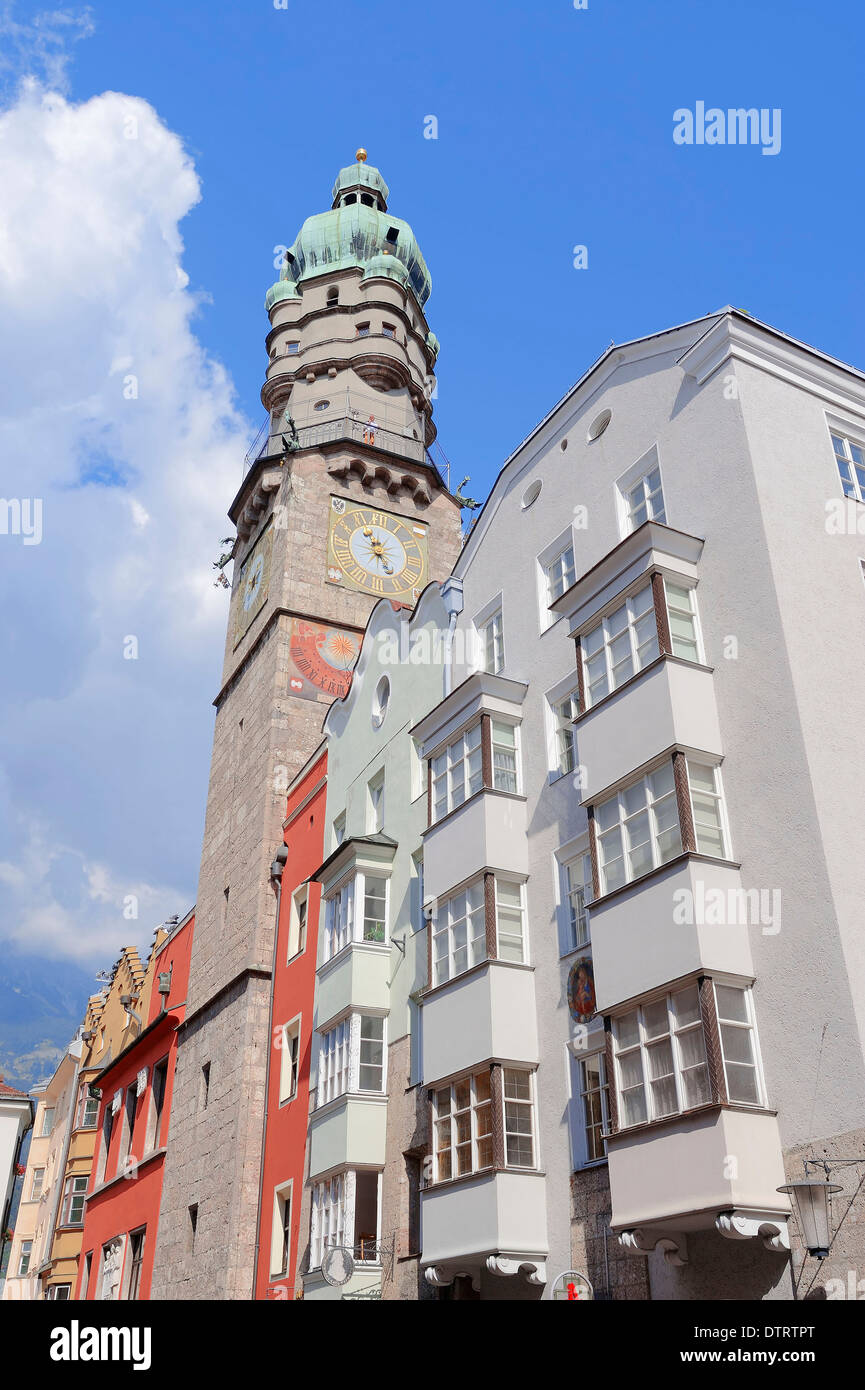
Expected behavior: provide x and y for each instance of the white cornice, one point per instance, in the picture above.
(758, 345)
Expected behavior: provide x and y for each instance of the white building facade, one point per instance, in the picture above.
(646, 794)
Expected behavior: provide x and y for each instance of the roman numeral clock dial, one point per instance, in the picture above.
(375, 551)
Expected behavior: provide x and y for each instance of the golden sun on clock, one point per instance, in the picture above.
(375, 551)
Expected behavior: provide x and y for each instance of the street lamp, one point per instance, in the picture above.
(811, 1198)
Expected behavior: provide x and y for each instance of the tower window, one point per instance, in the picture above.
(388, 330)
(292, 349)
(362, 330)
(393, 235)
(349, 198)
(332, 296)
(321, 405)
(367, 200)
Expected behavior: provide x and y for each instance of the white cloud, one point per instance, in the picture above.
(114, 414)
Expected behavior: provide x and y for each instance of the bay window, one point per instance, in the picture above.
(621, 644)
(345, 1211)
(333, 1062)
(462, 1127)
(738, 1046)
(707, 809)
(352, 1057)
(459, 933)
(638, 829)
(457, 772)
(328, 1217)
(356, 911)
(660, 1054)
(371, 1063)
(510, 921)
(519, 1118)
(88, 1109)
(682, 620)
(504, 744)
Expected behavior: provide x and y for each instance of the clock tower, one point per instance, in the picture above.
(342, 503)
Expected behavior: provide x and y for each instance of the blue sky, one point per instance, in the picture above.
(148, 258)
(555, 129)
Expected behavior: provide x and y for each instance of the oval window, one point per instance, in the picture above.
(599, 424)
(532, 493)
(321, 405)
(380, 702)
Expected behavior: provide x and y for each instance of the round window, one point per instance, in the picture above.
(599, 424)
(563, 446)
(380, 702)
(321, 405)
(532, 493)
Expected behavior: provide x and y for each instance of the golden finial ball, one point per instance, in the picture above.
(360, 155)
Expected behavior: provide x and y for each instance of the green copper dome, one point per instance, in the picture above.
(355, 234)
(359, 176)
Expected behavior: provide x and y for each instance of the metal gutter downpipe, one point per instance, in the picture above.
(276, 871)
(452, 598)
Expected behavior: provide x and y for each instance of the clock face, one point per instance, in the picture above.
(375, 551)
(252, 584)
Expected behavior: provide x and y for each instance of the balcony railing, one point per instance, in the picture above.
(348, 428)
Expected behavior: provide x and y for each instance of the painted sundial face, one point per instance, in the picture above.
(379, 552)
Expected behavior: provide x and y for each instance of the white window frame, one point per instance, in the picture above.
(640, 658)
(500, 774)
(555, 574)
(298, 922)
(854, 485)
(25, 1252)
(720, 802)
(563, 712)
(499, 881)
(328, 1217)
(34, 1193)
(71, 1192)
(643, 1046)
(47, 1124)
(333, 1061)
(289, 1060)
(489, 634)
(445, 1122)
(453, 780)
(418, 917)
(651, 803)
(640, 473)
(581, 1126)
(280, 1241)
(86, 1103)
(338, 827)
(576, 896)
(356, 1061)
(444, 924)
(692, 613)
(749, 1026)
(375, 804)
(523, 1105)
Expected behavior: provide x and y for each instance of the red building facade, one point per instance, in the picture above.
(279, 1247)
(122, 1209)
